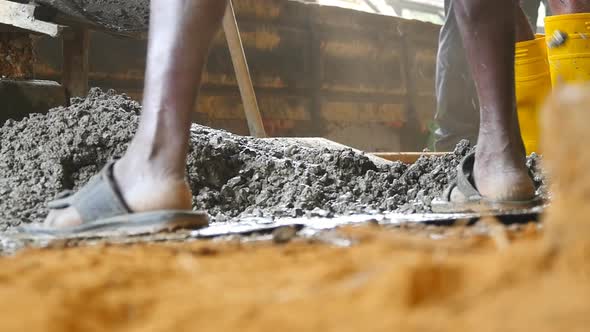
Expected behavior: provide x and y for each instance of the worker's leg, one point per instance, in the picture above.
(457, 104)
(151, 174)
(457, 115)
(488, 30)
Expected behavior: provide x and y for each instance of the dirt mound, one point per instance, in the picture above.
(230, 175)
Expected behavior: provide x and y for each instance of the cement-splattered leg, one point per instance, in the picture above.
(151, 175)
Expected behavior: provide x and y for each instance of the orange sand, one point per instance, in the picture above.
(389, 280)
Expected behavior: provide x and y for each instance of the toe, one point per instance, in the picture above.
(63, 218)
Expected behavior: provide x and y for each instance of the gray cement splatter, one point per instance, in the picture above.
(231, 176)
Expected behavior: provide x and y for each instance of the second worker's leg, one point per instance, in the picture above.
(457, 115)
(488, 30)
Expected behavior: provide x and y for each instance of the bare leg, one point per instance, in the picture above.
(457, 102)
(560, 7)
(488, 30)
(152, 173)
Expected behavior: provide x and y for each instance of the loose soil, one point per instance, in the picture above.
(389, 280)
(230, 176)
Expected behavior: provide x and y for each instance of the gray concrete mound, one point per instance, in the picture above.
(231, 176)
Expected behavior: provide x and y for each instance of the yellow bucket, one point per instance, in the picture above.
(568, 41)
(532, 84)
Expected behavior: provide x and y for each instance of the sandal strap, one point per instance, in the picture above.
(446, 195)
(465, 183)
(100, 198)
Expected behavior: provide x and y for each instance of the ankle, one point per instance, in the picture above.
(509, 145)
(503, 179)
(131, 169)
(506, 161)
(147, 188)
(157, 155)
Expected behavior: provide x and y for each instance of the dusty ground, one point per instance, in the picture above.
(389, 280)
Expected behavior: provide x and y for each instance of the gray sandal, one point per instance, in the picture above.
(105, 213)
(474, 201)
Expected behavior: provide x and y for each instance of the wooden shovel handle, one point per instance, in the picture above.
(236, 49)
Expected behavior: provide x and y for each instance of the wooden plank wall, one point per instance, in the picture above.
(361, 79)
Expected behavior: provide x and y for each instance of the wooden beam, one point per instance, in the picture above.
(75, 62)
(22, 16)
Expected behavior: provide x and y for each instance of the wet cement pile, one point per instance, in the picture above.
(230, 175)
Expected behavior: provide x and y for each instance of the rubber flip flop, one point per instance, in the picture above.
(104, 213)
(474, 201)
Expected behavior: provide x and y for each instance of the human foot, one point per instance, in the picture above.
(502, 176)
(490, 183)
(143, 189)
(498, 171)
